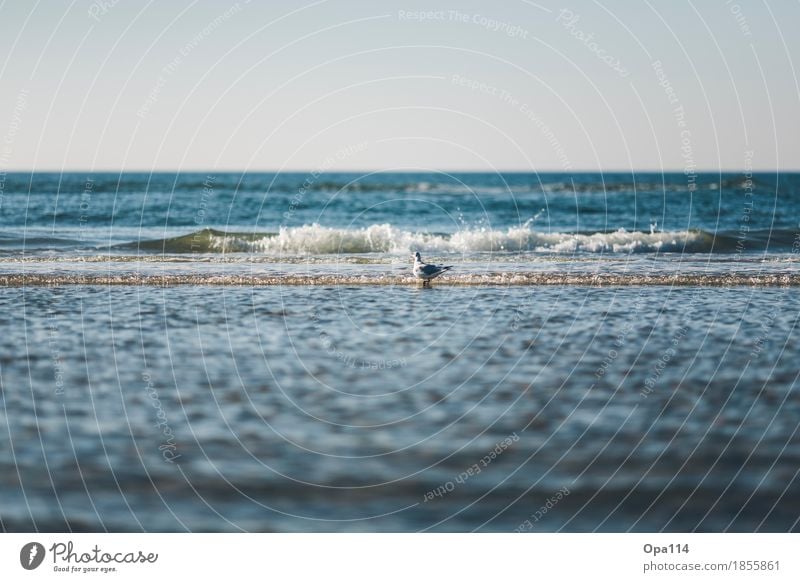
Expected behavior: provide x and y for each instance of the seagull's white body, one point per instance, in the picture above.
(427, 272)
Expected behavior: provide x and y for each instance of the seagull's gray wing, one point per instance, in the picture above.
(430, 269)
(434, 269)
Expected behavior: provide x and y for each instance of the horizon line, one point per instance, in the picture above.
(407, 171)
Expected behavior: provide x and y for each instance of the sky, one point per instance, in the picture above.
(115, 85)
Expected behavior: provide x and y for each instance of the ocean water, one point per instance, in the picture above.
(249, 352)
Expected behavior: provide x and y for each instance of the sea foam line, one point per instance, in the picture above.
(484, 279)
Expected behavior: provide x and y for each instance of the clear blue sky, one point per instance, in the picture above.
(468, 85)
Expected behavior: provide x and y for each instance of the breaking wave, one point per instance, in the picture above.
(384, 238)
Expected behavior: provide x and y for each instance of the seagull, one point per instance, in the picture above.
(427, 272)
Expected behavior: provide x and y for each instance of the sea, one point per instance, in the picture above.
(223, 351)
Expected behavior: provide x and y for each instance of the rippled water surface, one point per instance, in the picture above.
(395, 408)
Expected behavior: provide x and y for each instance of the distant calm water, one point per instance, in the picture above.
(233, 352)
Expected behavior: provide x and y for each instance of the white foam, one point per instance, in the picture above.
(385, 238)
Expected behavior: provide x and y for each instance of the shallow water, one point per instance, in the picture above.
(362, 408)
(381, 269)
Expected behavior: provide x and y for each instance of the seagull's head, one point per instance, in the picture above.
(417, 257)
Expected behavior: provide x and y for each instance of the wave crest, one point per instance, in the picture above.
(315, 239)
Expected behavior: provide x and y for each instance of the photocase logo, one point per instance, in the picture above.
(31, 555)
